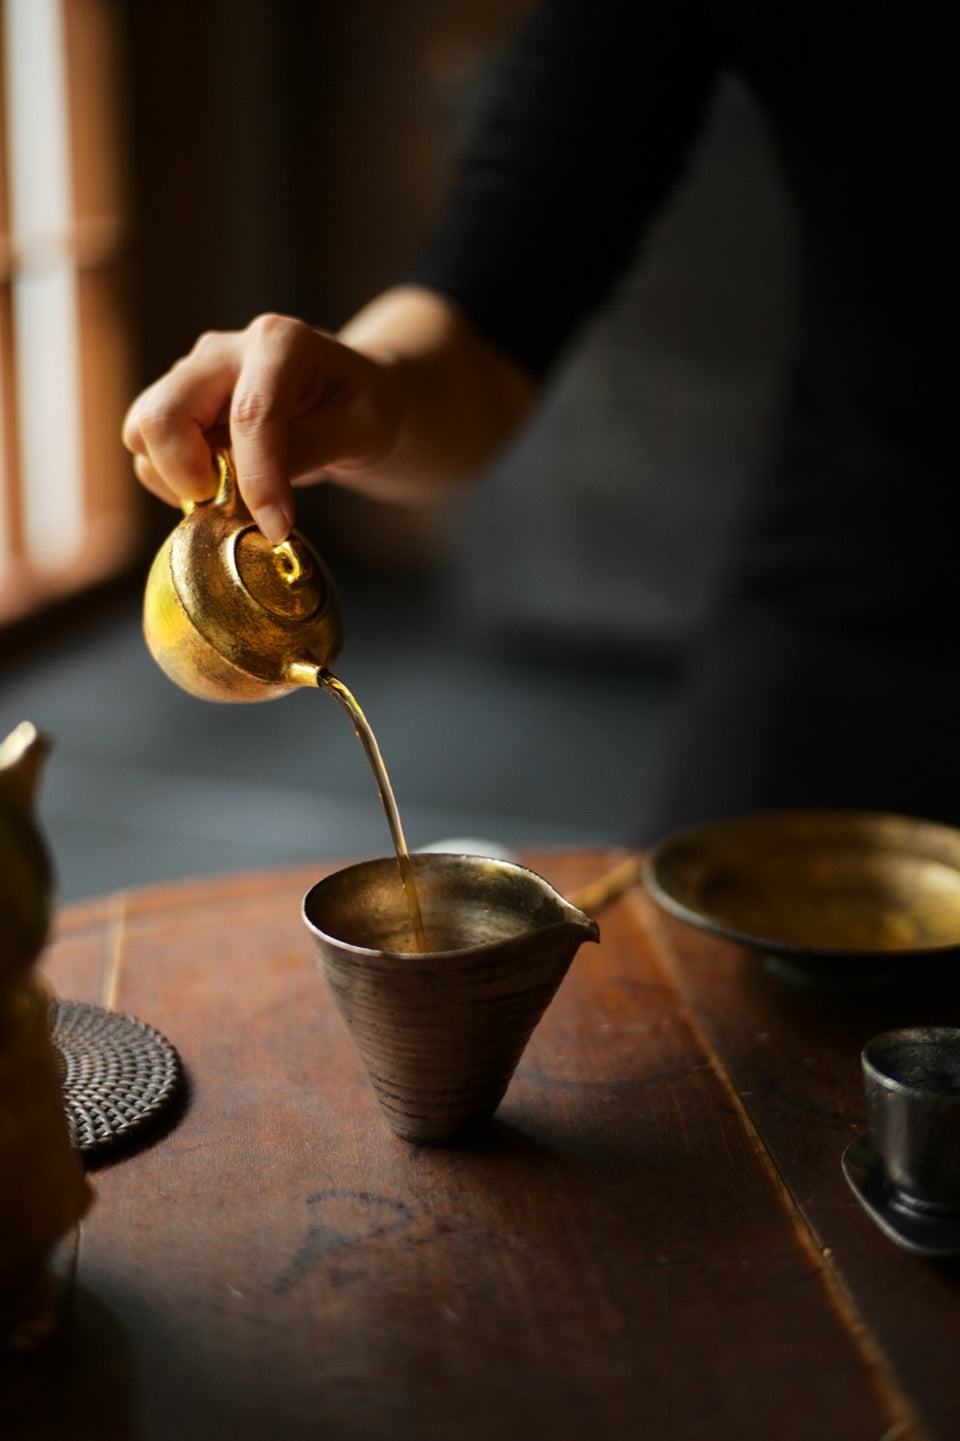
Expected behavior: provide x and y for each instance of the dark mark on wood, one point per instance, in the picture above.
(379, 1216)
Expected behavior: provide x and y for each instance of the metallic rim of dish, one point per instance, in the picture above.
(848, 885)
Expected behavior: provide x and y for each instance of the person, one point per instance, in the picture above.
(829, 674)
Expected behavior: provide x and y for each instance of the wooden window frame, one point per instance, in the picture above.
(95, 245)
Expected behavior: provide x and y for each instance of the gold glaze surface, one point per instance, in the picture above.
(230, 617)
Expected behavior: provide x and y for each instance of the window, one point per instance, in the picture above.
(68, 507)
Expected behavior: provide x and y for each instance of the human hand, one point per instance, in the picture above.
(294, 404)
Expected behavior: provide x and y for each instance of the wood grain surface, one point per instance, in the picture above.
(654, 1239)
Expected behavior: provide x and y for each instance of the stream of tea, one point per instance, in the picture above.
(329, 682)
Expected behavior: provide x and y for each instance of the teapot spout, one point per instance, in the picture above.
(304, 672)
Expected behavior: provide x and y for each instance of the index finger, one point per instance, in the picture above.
(280, 376)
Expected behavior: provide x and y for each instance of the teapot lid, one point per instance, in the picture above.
(263, 609)
(287, 580)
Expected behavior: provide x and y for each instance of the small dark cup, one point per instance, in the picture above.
(912, 1086)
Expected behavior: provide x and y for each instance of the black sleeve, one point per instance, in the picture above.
(583, 126)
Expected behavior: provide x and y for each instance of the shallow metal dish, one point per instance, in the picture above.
(831, 896)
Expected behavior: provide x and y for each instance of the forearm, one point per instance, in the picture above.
(458, 397)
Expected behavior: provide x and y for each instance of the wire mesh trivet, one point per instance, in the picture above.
(119, 1075)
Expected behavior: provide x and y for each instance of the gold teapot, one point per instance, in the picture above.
(230, 617)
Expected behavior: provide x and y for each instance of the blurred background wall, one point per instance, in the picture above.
(288, 156)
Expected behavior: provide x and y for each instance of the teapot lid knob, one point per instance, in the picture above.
(288, 580)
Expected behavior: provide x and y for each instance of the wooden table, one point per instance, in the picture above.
(655, 1239)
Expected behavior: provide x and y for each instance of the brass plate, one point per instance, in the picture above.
(815, 883)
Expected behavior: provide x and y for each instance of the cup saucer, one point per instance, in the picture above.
(925, 1233)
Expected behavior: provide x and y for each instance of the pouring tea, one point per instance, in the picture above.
(230, 617)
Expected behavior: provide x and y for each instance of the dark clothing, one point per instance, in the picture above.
(843, 595)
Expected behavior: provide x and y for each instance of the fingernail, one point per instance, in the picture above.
(275, 523)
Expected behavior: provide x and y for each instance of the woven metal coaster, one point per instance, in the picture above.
(119, 1075)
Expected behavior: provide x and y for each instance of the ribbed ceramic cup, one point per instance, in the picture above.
(440, 1033)
(912, 1085)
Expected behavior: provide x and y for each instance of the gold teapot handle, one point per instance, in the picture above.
(227, 498)
(293, 561)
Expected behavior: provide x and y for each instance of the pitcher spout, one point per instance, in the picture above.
(580, 926)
